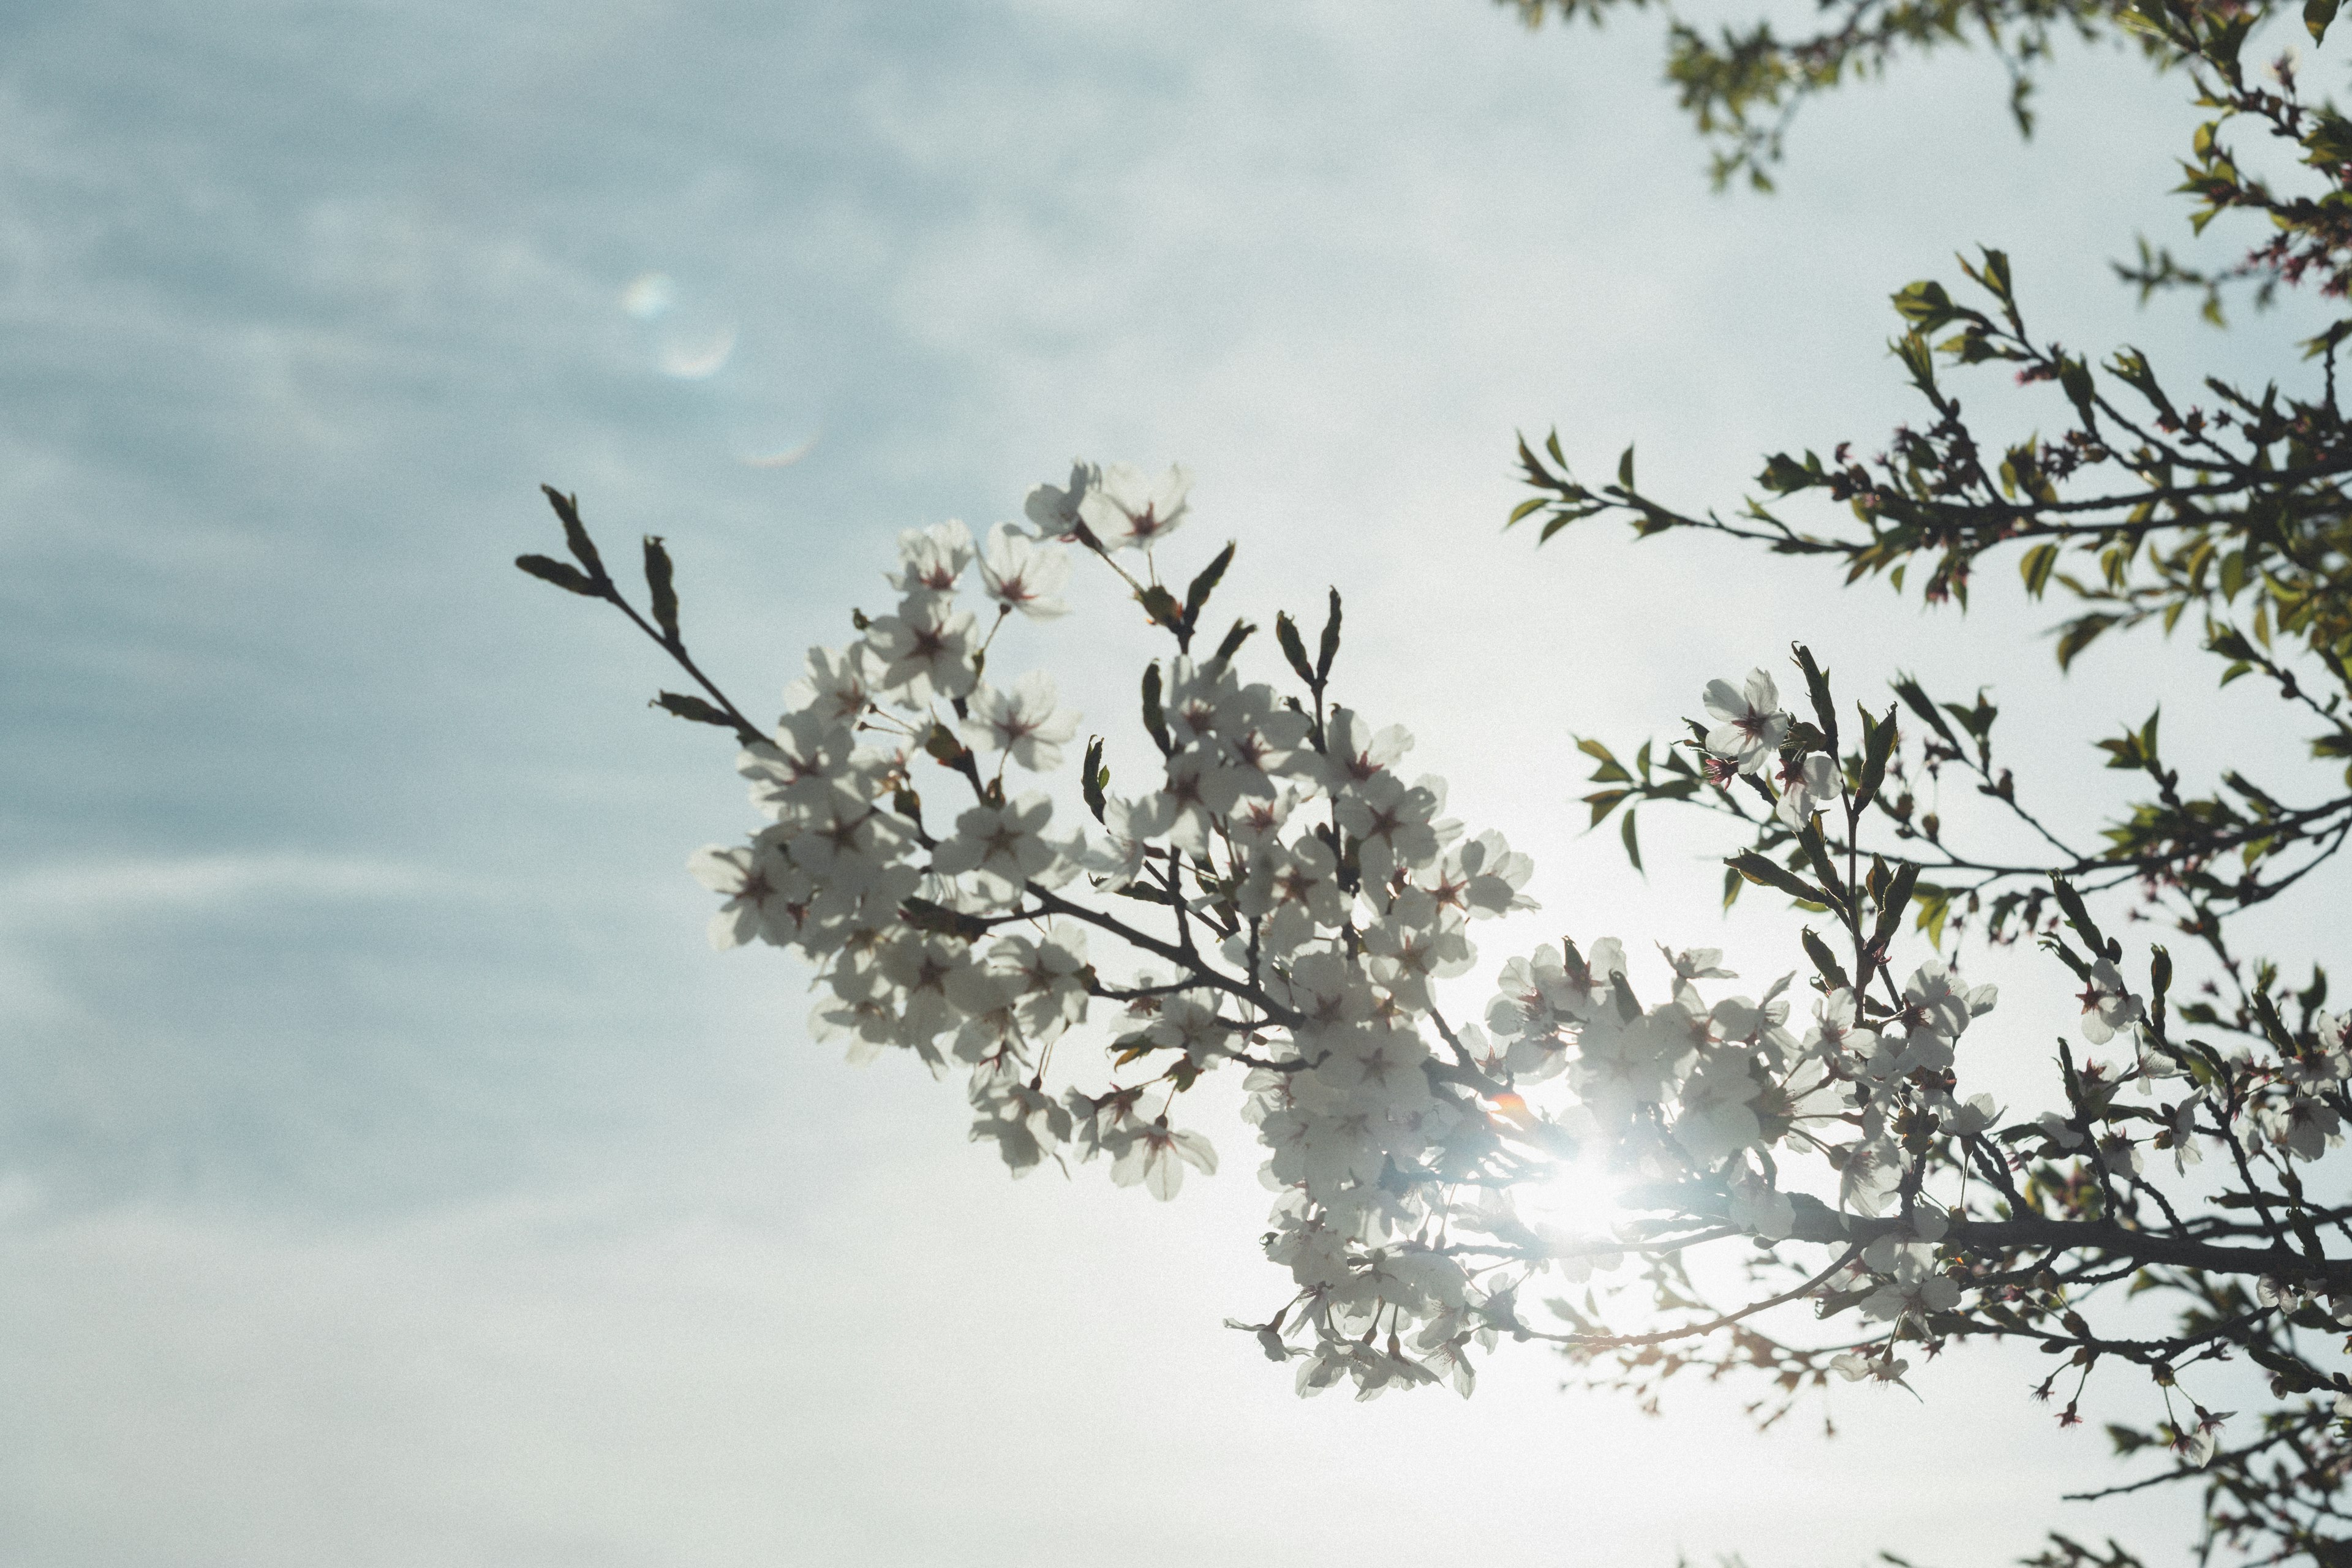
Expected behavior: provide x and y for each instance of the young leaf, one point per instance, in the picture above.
(1832, 972)
(693, 707)
(2079, 916)
(1633, 843)
(943, 746)
(1772, 874)
(548, 570)
(658, 585)
(1817, 856)
(2074, 377)
(1817, 686)
(1602, 803)
(1331, 648)
(1161, 606)
(1153, 719)
(1878, 743)
(2036, 568)
(1916, 697)
(1611, 770)
(1892, 902)
(1286, 632)
(1094, 778)
(1234, 640)
(2080, 632)
(575, 534)
(1197, 595)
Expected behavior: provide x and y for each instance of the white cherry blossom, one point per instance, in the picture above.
(1156, 1155)
(1024, 722)
(764, 891)
(839, 685)
(925, 647)
(1816, 784)
(1002, 848)
(1057, 510)
(1750, 724)
(1127, 509)
(931, 560)
(1021, 574)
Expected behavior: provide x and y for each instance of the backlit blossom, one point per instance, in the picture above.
(1129, 510)
(1750, 724)
(1021, 574)
(1023, 722)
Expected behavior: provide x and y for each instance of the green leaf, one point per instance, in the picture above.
(1817, 686)
(2075, 376)
(1935, 909)
(1772, 874)
(659, 585)
(1785, 475)
(1625, 469)
(2316, 15)
(1892, 902)
(2233, 575)
(1197, 595)
(1817, 856)
(1603, 802)
(1996, 274)
(1153, 719)
(1161, 606)
(943, 747)
(1611, 770)
(1286, 632)
(1234, 640)
(2079, 634)
(1633, 843)
(1924, 304)
(2036, 568)
(1976, 720)
(1878, 744)
(693, 707)
(1915, 696)
(1832, 972)
(2070, 903)
(1331, 648)
(1094, 778)
(575, 534)
(548, 570)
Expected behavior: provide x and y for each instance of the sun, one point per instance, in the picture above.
(1582, 1198)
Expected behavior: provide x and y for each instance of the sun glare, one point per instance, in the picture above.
(1580, 1198)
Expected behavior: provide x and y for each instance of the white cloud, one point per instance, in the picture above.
(116, 888)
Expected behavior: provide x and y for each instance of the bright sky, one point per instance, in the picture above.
(389, 1173)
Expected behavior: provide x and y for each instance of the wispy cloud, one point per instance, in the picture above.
(121, 887)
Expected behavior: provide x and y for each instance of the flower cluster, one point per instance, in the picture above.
(1282, 894)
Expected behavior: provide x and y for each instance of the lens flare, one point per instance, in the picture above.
(698, 358)
(649, 295)
(784, 459)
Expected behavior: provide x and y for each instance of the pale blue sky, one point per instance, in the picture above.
(388, 1171)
